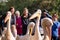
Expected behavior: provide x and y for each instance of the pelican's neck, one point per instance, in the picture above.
(8, 24)
(27, 31)
(37, 33)
(37, 27)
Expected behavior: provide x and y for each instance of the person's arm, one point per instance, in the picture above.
(49, 16)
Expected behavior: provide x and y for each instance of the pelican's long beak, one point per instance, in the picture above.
(36, 14)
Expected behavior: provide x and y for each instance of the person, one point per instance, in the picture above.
(13, 20)
(55, 26)
(13, 17)
(59, 33)
(59, 30)
(18, 23)
(45, 14)
(25, 20)
(1, 26)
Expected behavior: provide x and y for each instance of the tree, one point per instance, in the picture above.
(32, 5)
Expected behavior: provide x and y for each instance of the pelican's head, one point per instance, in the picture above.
(36, 14)
(31, 27)
(8, 16)
(9, 13)
(46, 22)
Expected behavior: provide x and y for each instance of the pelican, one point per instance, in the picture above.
(29, 32)
(8, 34)
(37, 35)
(47, 24)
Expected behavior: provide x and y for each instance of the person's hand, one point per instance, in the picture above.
(45, 13)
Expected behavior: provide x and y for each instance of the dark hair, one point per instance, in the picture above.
(10, 8)
(44, 11)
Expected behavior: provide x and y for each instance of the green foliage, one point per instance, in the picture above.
(51, 5)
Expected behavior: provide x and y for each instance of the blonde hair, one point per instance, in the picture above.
(17, 12)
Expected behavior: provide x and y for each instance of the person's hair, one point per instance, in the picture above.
(17, 12)
(10, 8)
(44, 11)
(25, 8)
(55, 15)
